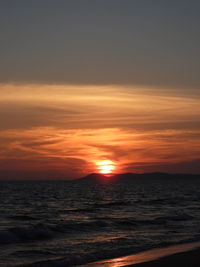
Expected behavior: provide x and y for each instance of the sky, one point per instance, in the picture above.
(82, 82)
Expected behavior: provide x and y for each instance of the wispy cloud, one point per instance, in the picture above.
(70, 128)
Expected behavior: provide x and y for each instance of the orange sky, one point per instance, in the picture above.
(63, 131)
(102, 81)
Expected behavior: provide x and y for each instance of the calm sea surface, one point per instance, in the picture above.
(76, 222)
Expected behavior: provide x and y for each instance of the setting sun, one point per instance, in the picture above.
(106, 166)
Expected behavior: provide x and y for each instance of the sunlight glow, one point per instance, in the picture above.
(106, 166)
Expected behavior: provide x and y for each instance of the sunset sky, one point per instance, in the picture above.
(84, 82)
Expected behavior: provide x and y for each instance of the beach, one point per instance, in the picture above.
(184, 259)
(184, 255)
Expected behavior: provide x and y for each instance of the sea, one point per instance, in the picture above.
(69, 223)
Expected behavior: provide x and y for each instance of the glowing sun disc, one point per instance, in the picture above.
(106, 166)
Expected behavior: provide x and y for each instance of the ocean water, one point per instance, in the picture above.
(67, 223)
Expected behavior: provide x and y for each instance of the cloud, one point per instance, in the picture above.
(70, 128)
(76, 151)
(94, 107)
(190, 166)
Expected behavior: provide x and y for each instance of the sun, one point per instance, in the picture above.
(106, 166)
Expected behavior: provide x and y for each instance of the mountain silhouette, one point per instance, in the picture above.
(131, 176)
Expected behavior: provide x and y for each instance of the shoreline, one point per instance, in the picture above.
(184, 255)
(189, 258)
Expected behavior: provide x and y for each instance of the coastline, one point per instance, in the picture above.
(184, 255)
(189, 258)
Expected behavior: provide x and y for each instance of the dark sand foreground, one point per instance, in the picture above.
(184, 255)
(184, 259)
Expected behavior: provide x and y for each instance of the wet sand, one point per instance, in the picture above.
(184, 255)
(184, 259)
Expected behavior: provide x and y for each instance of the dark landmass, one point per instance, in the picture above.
(130, 176)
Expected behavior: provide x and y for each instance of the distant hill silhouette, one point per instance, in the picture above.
(130, 176)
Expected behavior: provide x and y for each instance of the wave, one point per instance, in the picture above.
(86, 258)
(25, 234)
(41, 231)
(112, 204)
(23, 218)
(92, 208)
(161, 201)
